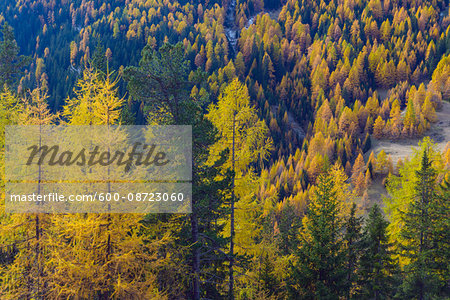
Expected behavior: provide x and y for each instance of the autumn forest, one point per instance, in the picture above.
(320, 146)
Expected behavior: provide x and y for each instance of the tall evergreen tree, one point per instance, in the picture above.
(419, 233)
(245, 137)
(11, 64)
(352, 240)
(320, 269)
(376, 266)
(161, 81)
(99, 61)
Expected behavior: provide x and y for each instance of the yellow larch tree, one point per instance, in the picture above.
(101, 254)
(28, 233)
(246, 139)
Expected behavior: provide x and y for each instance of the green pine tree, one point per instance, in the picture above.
(352, 239)
(420, 234)
(11, 64)
(320, 269)
(161, 81)
(377, 269)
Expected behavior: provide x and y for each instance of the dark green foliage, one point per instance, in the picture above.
(161, 81)
(292, 61)
(320, 269)
(11, 64)
(352, 239)
(208, 206)
(425, 221)
(377, 269)
(99, 58)
(288, 225)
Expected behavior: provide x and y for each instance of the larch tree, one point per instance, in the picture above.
(378, 128)
(245, 137)
(409, 121)
(104, 255)
(28, 275)
(358, 167)
(428, 110)
(11, 107)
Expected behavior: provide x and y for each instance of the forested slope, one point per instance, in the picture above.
(273, 217)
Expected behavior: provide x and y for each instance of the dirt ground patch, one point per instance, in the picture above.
(439, 132)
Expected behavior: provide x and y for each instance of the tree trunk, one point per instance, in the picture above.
(195, 255)
(231, 283)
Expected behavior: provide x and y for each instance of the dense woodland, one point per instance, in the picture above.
(301, 93)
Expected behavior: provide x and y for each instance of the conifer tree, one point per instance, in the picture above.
(245, 137)
(428, 110)
(11, 64)
(320, 268)
(377, 269)
(419, 233)
(409, 120)
(103, 255)
(27, 277)
(352, 240)
(378, 128)
(161, 81)
(99, 58)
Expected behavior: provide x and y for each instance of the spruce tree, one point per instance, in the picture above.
(161, 82)
(99, 61)
(419, 234)
(376, 266)
(320, 269)
(11, 64)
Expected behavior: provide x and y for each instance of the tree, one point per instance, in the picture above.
(396, 121)
(73, 52)
(11, 64)
(246, 138)
(99, 58)
(409, 120)
(161, 81)
(381, 162)
(319, 271)
(358, 167)
(419, 233)
(11, 108)
(95, 100)
(103, 255)
(28, 275)
(378, 128)
(360, 184)
(428, 110)
(377, 269)
(352, 240)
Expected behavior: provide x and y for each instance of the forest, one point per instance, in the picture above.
(320, 146)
